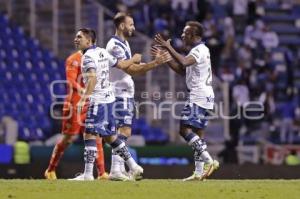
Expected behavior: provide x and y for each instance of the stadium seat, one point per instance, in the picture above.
(25, 134)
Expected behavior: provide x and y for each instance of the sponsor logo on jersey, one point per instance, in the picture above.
(210, 99)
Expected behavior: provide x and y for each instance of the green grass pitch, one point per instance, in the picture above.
(152, 189)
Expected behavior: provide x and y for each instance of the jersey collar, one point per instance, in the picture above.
(91, 47)
(197, 43)
(119, 39)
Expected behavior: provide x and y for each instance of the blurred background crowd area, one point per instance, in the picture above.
(254, 49)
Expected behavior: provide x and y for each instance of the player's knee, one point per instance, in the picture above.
(183, 131)
(125, 130)
(199, 132)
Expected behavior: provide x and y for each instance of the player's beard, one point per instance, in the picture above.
(128, 33)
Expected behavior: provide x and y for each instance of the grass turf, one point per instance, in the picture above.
(154, 189)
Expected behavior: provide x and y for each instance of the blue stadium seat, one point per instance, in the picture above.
(43, 122)
(39, 134)
(24, 109)
(14, 97)
(2, 54)
(12, 109)
(3, 69)
(26, 134)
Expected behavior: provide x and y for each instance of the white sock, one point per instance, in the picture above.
(206, 157)
(199, 167)
(131, 163)
(115, 163)
(122, 166)
(88, 169)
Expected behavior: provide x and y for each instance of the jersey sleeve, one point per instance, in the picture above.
(116, 49)
(118, 52)
(88, 62)
(72, 72)
(112, 61)
(197, 54)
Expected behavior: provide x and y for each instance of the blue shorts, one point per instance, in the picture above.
(99, 120)
(124, 111)
(195, 116)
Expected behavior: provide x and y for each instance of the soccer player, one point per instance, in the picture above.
(71, 126)
(99, 120)
(196, 66)
(123, 85)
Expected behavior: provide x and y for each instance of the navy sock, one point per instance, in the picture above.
(120, 148)
(198, 145)
(189, 137)
(90, 142)
(122, 137)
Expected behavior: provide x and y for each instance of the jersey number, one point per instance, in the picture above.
(209, 78)
(104, 79)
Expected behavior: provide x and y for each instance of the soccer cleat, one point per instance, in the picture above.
(194, 177)
(209, 168)
(50, 175)
(118, 176)
(104, 176)
(82, 177)
(136, 173)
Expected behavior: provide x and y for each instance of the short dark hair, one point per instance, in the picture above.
(89, 33)
(197, 27)
(120, 18)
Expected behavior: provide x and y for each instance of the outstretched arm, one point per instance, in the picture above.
(175, 66)
(124, 64)
(142, 68)
(182, 60)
